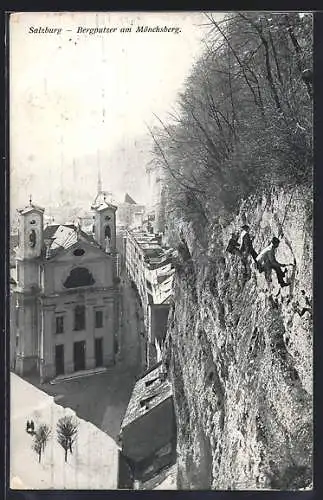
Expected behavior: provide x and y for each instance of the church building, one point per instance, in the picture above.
(65, 310)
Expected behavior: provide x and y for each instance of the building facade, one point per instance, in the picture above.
(65, 299)
(150, 268)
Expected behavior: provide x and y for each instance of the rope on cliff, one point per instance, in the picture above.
(281, 225)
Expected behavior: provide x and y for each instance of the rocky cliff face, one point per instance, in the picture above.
(240, 355)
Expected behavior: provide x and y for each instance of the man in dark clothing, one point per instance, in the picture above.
(233, 245)
(266, 261)
(246, 246)
(30, 427)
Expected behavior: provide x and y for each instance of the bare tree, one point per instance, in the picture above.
(41, 437)
(67, 428)
(244, 120)
(37, 446)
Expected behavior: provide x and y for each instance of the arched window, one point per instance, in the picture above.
(107, 231)
(79, 318)
(79, 276)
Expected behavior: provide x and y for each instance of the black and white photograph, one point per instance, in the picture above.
(161, 250)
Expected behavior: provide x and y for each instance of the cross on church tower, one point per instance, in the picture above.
(30, 199)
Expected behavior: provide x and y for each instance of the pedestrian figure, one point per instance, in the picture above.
(30, 427)
(266, 261)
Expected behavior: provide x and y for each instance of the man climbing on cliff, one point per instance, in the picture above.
(246, 248)
(266, 261)
(242, 245)
(245, 243)
(233, 245)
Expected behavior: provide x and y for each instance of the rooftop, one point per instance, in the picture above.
(153, 251)
(64, 236)
(29, 208)
(104, 206)
(128, 199)
(149, 392)
(103, 198)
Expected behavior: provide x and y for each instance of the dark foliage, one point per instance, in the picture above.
(244, 122)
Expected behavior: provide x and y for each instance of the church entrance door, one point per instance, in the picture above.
(59, 359)
(79, 356)
(98, 352)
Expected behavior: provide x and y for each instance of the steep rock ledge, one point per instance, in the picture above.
(241, 361)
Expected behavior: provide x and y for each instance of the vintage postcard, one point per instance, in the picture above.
(161, 322)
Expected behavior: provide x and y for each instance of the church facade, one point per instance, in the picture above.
(65, 302)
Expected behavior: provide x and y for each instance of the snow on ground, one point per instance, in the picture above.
(93, 464)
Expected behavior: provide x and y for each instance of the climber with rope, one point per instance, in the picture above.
(266, 262)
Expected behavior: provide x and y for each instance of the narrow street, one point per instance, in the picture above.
(103, 398)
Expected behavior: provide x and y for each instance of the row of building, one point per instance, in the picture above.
(148, 264)
(148, 431)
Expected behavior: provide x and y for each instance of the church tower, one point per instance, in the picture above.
(28, 262)
(105, 226)
(104, 219)
(30, 237)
